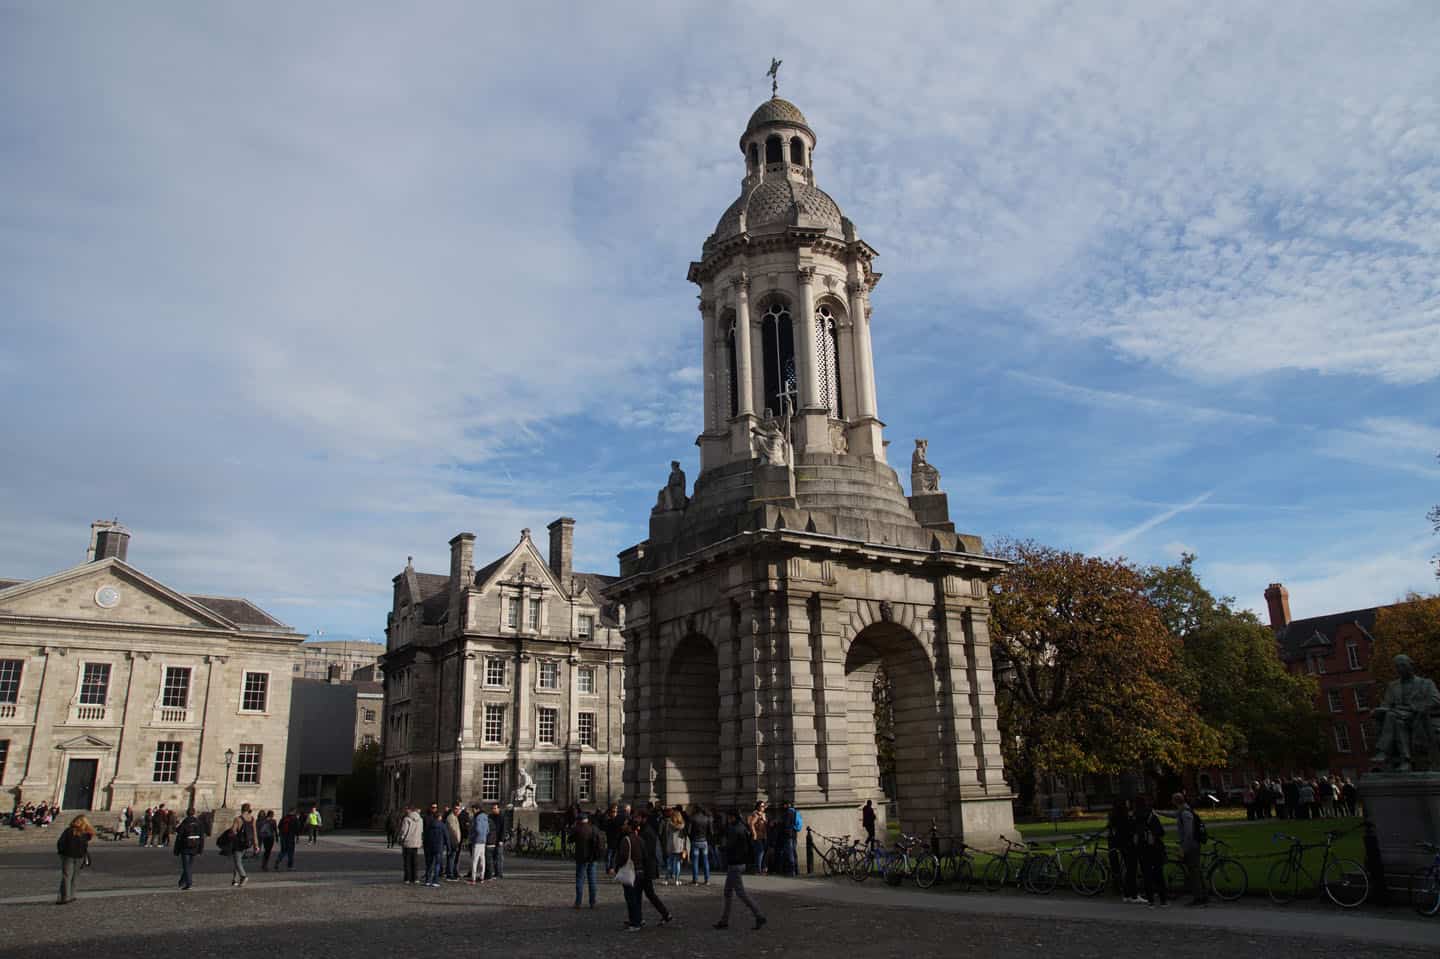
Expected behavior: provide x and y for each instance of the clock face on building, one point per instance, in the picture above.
(107, 597)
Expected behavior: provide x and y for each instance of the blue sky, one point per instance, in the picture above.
(296, 293)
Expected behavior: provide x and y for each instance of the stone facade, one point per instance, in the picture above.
(319, 656)
(515, 665)
(117, 690)
(761, 607)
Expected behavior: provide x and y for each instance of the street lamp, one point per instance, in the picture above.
(229, 759)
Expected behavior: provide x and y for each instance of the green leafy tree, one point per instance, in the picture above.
(1091, 683)
(1411, 627)
(1232, 671)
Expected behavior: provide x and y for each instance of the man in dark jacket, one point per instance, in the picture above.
(495, 846)
(737, 853)
(436, 845)
(585, 846)
(189, 843)
(699, 829)
(650, 865)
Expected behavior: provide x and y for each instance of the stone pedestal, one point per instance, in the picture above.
(1405, 809)
(932, 510)
(773, 485)
(521, 817)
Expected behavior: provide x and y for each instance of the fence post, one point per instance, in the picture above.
(809, 852)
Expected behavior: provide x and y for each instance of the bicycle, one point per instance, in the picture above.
(997, 871)
(1425, 883)
(874, 858)
(836, 859)
(923, 869)
(1222, 874)
(1089, 872)
(957, 865)
(1344, 880)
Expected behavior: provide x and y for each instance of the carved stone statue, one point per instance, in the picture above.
(774, 447)
(524, 793)
(1407, 718)
(672, 495)
(838, 441)
(924, 478)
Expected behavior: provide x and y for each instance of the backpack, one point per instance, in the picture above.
(226, 841)
(1201, 836)
(797, 822)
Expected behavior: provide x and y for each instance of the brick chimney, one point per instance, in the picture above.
(107, 538)
(1277, 597)
(562, 550)
(462, 559)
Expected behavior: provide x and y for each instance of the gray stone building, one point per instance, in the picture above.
(118, 690)
(516, 665)
(762, 609)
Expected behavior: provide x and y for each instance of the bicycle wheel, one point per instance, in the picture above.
(896, 870)
(927, 870)
(1345, 883)
(963, 874)
(1174, 875)
(1283, 882)
(1425, 891)
(860, 868)
(1229, 880)
(993, 876)
(1088, 875)
(1043, 876)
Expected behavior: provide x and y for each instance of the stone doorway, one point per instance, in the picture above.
(893, 650)
(692, 723)
(80, 784)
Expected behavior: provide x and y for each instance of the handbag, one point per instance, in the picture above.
(625, 875)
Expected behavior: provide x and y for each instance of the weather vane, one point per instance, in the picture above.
(774, 74)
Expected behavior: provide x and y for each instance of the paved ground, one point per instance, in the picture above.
(345, 899)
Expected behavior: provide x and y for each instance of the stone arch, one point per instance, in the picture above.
(691, 714)
(919, 781)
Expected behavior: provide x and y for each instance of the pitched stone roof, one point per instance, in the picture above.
(7, 583)
(1319, 631)
(596, 582)
(239, 611)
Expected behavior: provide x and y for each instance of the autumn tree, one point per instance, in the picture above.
(1411, 627)
(1233, 673)
(1092, 679)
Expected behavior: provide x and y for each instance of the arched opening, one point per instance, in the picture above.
(827, 358)
(754, 157)
(731, 376)
(778, 343)
(889, 683)
(774, 150)
(692, 723)
(797, 151)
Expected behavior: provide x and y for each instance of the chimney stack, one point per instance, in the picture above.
(107, 538)
(1277, 597)
(462, 559)
(562, 550)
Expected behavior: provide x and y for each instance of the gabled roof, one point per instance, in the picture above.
(594, 584)
(239, 610)
(1320, 631)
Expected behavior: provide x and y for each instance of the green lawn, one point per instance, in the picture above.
(1039, 830)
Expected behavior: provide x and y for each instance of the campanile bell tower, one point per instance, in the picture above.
(785, 286)
(769, 608)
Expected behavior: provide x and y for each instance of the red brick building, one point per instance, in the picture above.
(1334, 648)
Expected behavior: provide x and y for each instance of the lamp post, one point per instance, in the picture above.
(229, 758)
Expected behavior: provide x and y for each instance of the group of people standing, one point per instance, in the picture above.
(1136, 836)
(443, 836)
(1296, 798)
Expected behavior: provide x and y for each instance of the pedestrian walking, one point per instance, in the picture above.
(737, 843)
(312, 822)
(674, 843)
(73, 845)
(411, 836)
(479, 839)
(1149, 835)
(585, 848)
(613, 820)
(189, 843)
(289, 832)
(643, 858)
(653, 861)
(265, 831)
(231, 843)
(867, 820)
(392, 829)
(145, 825)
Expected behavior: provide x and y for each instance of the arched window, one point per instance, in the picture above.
(779, 347)
(730, 364)
(754, 156)
(827, 358)
(774, 150)
(797, 151)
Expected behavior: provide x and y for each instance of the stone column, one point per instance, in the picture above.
(745, 395)
(708, 338)
(864, 359)
(985, 718)
(832, 720)
(798, 679)
(805, 341)
(467, 699)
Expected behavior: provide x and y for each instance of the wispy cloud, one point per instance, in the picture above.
(1135, 403)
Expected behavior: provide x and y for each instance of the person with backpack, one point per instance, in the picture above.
(1149, 833)
(1190, 831)
(791, 823)
(189, 843)
(74, 848)
(265, 832)
(288, 831)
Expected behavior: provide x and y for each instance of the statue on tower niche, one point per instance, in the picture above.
(924, 478)
(672, 494)
(770, 439)
(1407, 719)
